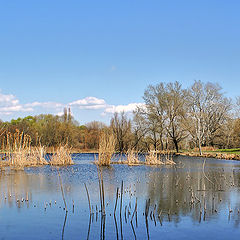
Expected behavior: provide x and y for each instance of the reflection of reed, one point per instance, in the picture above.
(146, 222)
(89, 226)
(102, 234)
(64, 224)
(101, 190)
(115, 221)
(121, 199)
(61, 185)
(135, 236)
(16, 188)
(88, 197)
(116, 201)
(121, 227)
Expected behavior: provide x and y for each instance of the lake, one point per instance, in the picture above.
(190, 200)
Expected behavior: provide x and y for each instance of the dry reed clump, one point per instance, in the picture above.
(106, 149)
(19, 153)
(169, 158)
(132, 157)
(37, 156)
(61, 156)
(152, 158)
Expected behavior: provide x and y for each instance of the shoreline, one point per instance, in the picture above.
(216, 155)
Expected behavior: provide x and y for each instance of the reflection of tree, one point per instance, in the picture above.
(17, 187)
(182, 193)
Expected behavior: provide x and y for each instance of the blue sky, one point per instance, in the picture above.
(99, 56)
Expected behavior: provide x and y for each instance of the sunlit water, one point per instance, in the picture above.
(185, 201)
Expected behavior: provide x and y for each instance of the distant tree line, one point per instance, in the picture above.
(170, 118)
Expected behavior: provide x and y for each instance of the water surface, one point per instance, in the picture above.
(186, 202)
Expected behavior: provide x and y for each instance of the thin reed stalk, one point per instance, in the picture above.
(89, 204)
(103, 199)
(100, 188)
(116, 201)
(121, 199)
(135, 210)
(61, 185)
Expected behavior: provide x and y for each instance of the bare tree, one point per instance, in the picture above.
(207, 110)
(175, 103)
(121, 127)
(164, 112)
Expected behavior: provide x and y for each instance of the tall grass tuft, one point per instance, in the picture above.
(153, 158)
(169, 158)
(61, 156)
(37, 156)
(19, 153)
(106, 148)
(132, 157)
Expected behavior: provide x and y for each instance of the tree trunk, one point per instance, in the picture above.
(176, 145)
(200, 147)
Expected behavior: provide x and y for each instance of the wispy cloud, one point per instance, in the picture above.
(89, 103)
(10, 105)
(44, 104)
(122, 108)
(8, 100)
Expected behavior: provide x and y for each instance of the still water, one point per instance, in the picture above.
(186, 202)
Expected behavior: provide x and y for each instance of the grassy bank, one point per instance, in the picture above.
(229, 154)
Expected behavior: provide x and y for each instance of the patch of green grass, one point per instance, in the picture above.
(230, 151)
(227, 151)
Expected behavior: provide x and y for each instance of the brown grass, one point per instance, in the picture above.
(61, 156)
(169, 158)
(132, 157)
(19, 153)
(153, 158)
(106, 149)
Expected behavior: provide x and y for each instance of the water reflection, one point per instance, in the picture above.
(135, 207)
(179, 193)
(64, 224)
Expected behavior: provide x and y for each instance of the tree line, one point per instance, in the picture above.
(172, 117)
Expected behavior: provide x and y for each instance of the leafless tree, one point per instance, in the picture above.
(121, 127)
(164, 112)
(208, 109)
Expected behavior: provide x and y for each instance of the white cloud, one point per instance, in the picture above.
(17, 108)
(44, 104)
(8, 100)
(60, 114)
(10, 105)
(5, 113)
(89, 103)
(123, 108)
